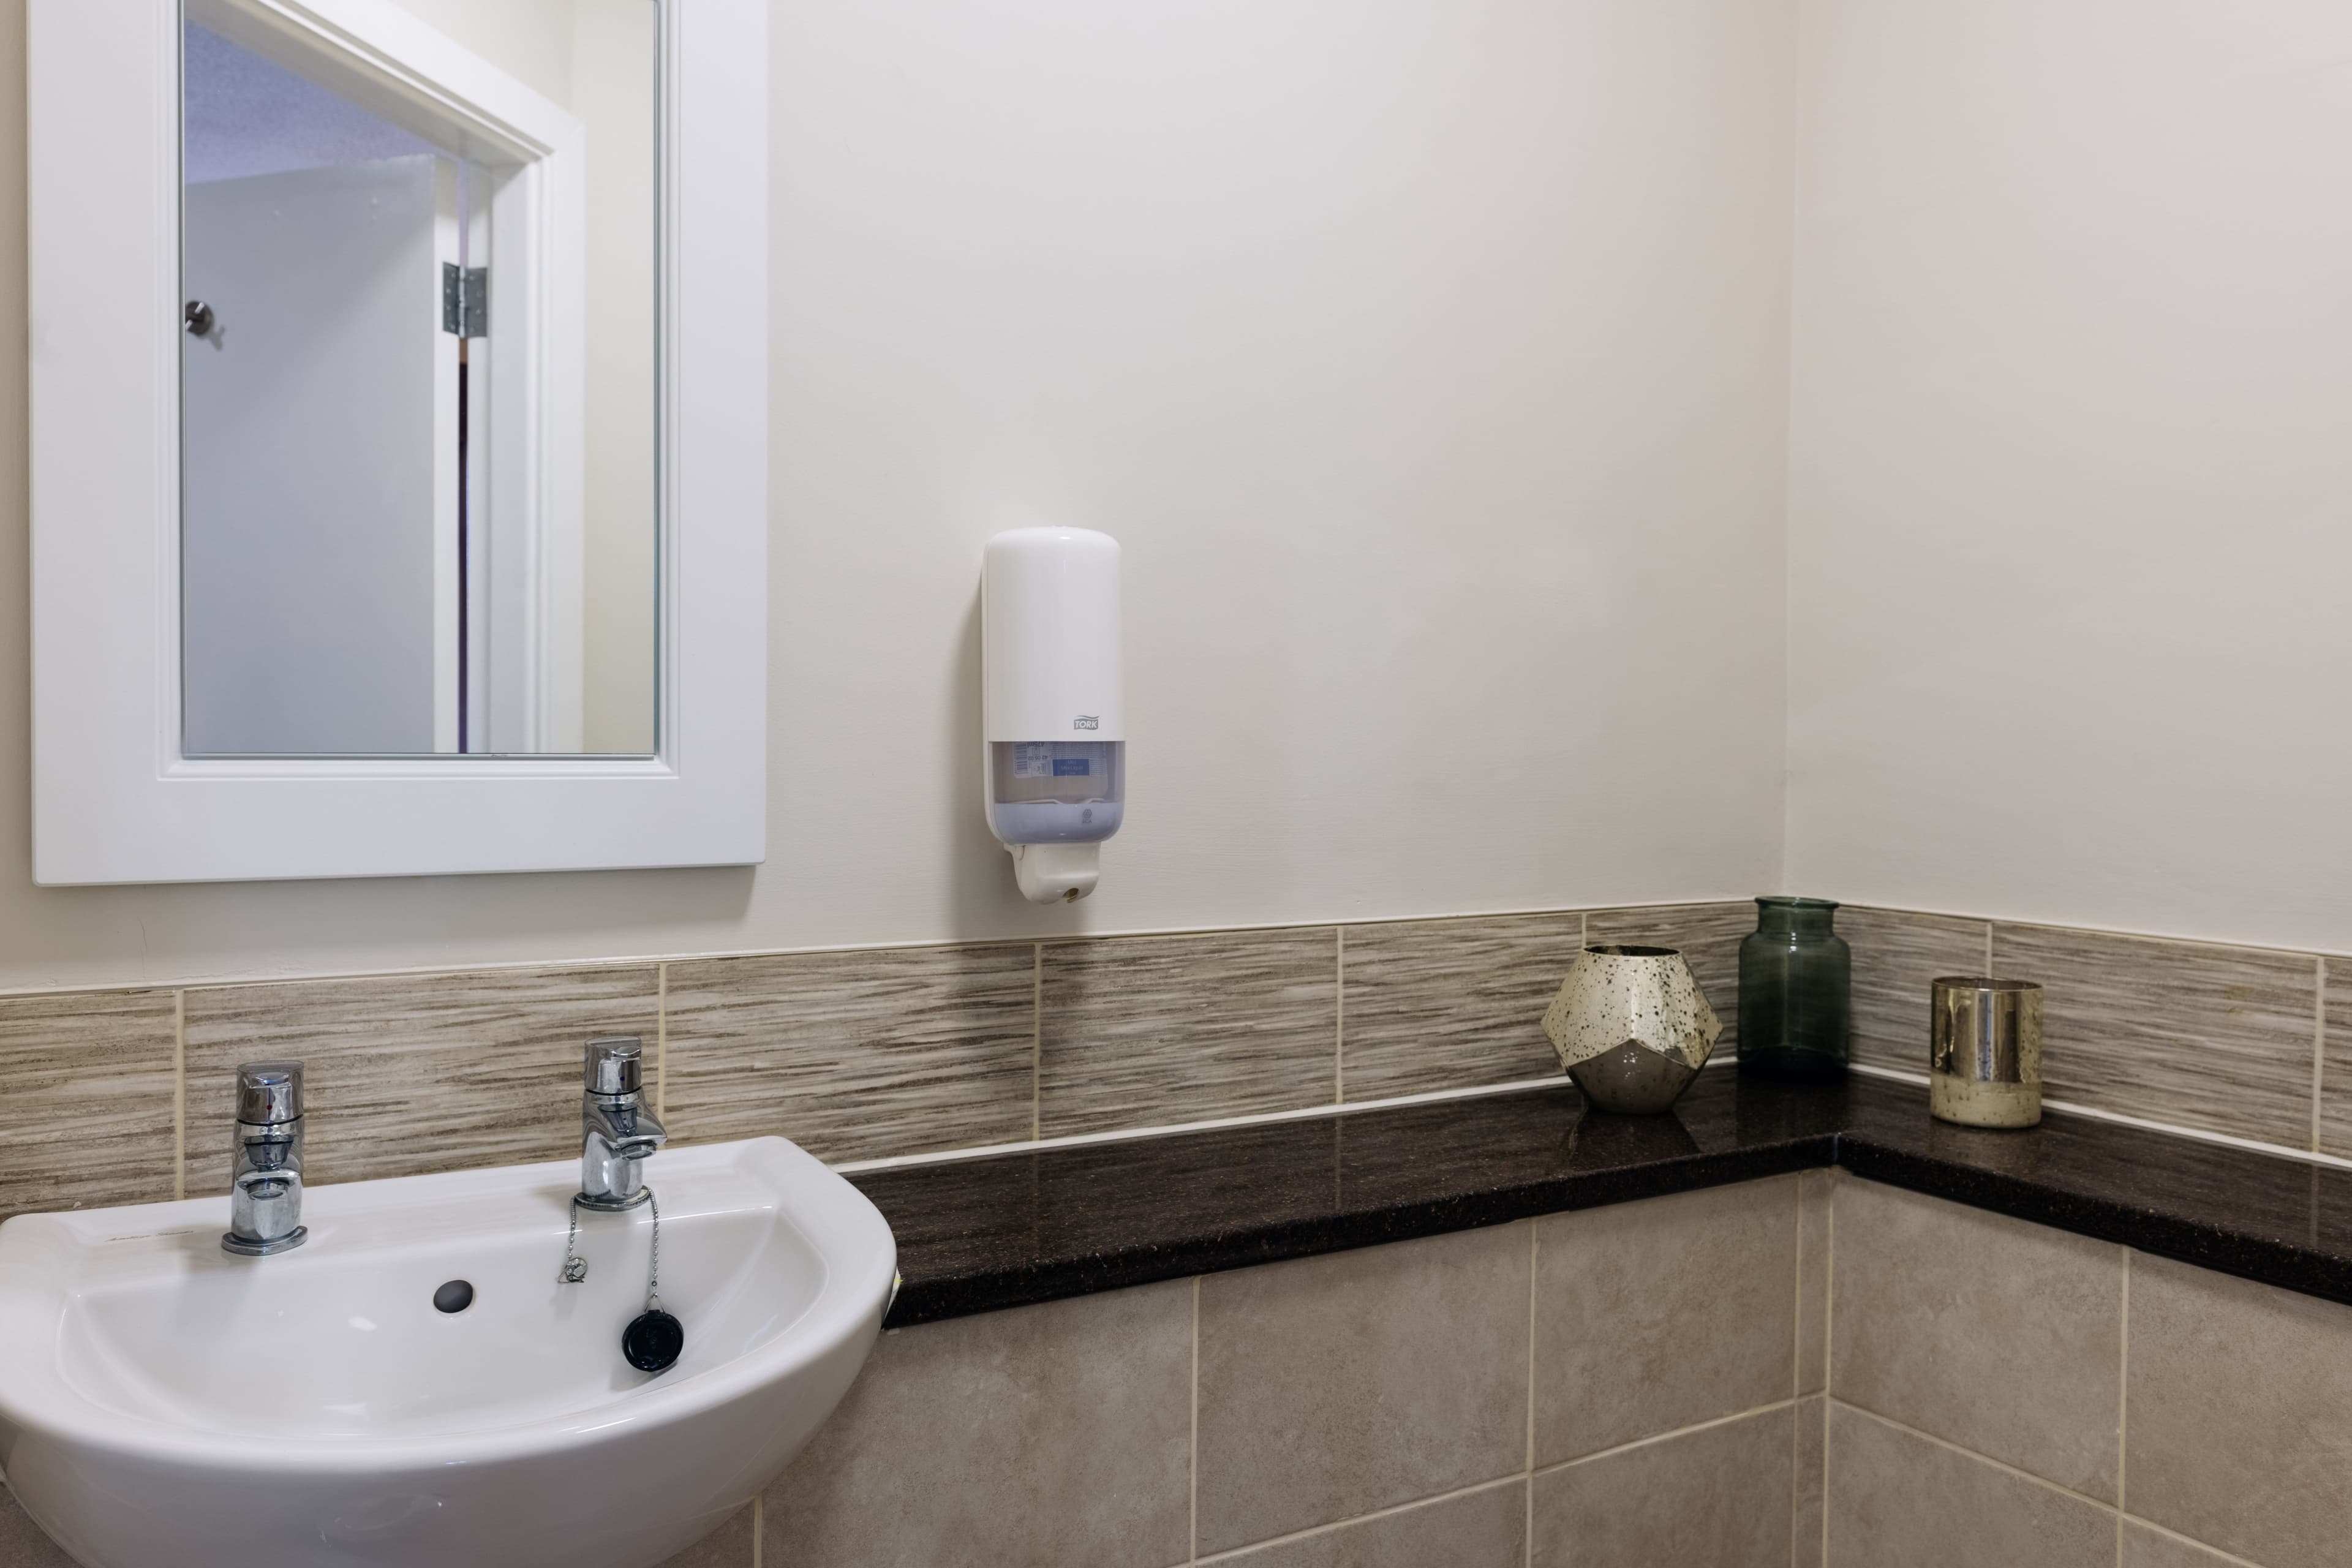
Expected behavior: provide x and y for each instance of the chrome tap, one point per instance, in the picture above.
(265, 1194)
(617, 1133)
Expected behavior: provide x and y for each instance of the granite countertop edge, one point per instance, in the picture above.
(1034, 1227)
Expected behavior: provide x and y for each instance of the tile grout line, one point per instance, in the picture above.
(1797, 1346)
(1693, 1430)
(661, 1040)
(1037, 1041)
(2231, 1558)
(2302, 1156)
(2318, 1045)
(1192, 1481)
(1528, 1476)
(1797, 1368)
(1796, 1426)
(1829, 1345)
(1988, 974)
(1215, 1123)
(1250, 1549)
(179, 1093)
(1339, 1016)
(2000, 1465)
(2122, 1407)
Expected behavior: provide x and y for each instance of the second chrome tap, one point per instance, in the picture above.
(617, 1132)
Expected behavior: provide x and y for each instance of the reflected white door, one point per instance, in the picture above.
(320, 556)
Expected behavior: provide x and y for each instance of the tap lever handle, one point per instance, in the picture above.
(268, 1093)
(613, 1064)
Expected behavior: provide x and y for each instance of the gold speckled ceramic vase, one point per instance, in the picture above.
(1631, 1027)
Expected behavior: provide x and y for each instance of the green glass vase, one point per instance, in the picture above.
(1796, 992)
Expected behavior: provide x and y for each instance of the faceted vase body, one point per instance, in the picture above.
(1631, 1026)
(1796, 992)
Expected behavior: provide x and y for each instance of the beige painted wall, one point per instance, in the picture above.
(1430, 362)
(2070, 517)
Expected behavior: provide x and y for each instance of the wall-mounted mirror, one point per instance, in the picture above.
(418, 511)
(399, 436)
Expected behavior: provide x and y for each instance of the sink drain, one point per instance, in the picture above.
(455, 1297)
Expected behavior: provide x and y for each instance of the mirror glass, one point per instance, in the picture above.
(418, 376)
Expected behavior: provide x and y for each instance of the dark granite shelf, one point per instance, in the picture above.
(1010, 1229)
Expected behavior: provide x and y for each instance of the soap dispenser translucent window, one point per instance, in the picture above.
(1053, 719)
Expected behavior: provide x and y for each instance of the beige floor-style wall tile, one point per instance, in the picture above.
(1661, 1314)
(1332, 1386)
(21, 1545)
(1898, 1500)
(1708, 936)
(1897, 957)
(1719, 1496)
(407, 1074)
(100, 1063)
(1814, 1199)
(1810, 1488)
(2145, 1547)
(2001, 1336)
(1449, 1003)
(2336, 1076)
(1053, 1437)
(729, 1546)
(1146, 1031)
(2239, 1429)
(857, 1055)
(2195, 1035)
(1485, 1528)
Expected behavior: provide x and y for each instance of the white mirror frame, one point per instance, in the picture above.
(114, 800)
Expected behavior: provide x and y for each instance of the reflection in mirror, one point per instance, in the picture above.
(418, 508)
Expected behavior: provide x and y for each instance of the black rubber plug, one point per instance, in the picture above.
(652, 1342)
(455, 1297)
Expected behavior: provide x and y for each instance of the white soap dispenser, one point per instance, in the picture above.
(1052, 722)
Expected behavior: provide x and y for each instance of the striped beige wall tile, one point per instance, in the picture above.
(1430, 1004)
(1709, 935)
(412, 1073)
(857, 1055)
(100, 1063)
(1898, 955)
(2336, 1073)
(2189, 1033)
(1142, 1031)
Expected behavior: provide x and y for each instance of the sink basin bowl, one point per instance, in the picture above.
(164, 1405)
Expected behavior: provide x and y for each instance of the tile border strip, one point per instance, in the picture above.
(2313, 1153)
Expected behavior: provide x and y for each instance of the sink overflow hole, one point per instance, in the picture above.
(455, 1297)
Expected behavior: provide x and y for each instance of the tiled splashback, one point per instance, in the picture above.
(885, 1052)
(2196, 1035)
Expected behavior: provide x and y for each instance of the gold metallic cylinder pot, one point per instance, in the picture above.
(1984, 1053)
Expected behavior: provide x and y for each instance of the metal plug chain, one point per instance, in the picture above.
(575, 1267)
(654, 1338)
(653, 1270)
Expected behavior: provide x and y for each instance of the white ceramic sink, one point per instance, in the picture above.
(164, 1405)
